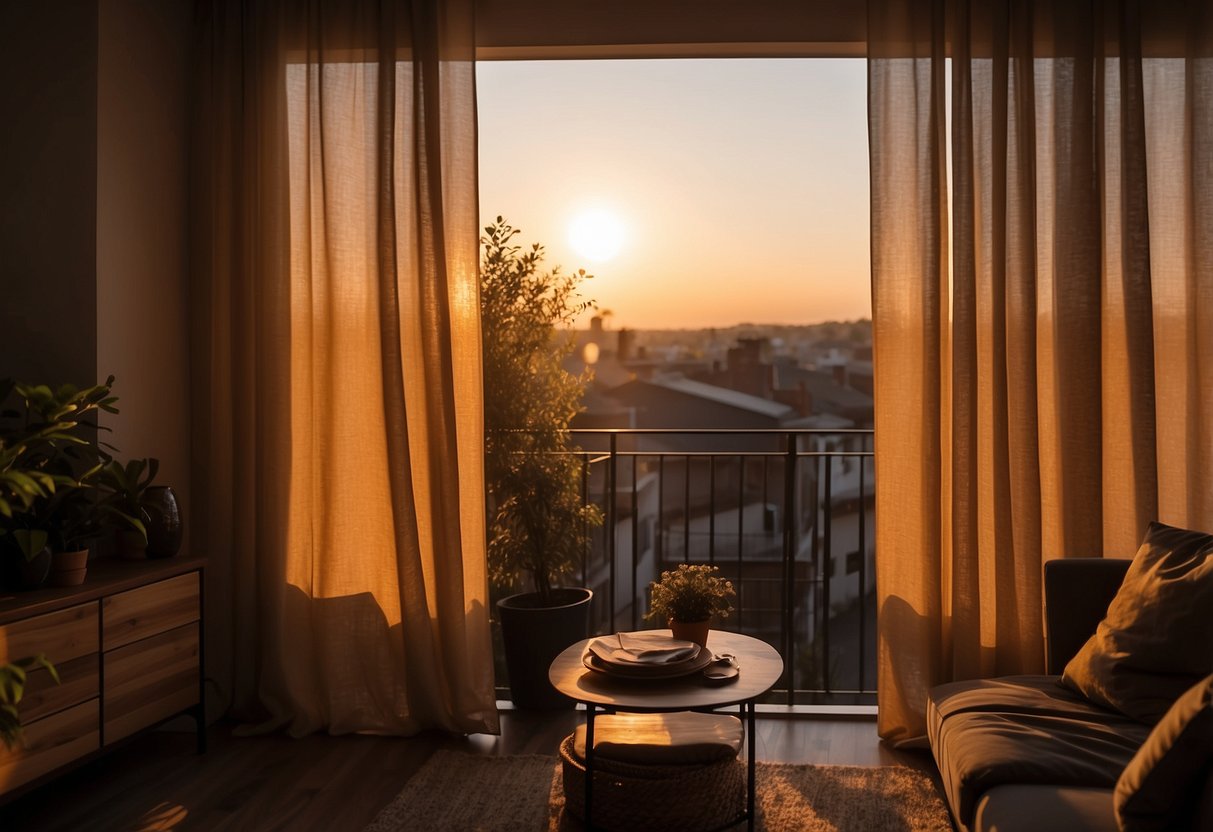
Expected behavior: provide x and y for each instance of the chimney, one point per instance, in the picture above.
(623, 349)
(596, 325)
(840, 375)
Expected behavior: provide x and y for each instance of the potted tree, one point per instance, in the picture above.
(538, 523)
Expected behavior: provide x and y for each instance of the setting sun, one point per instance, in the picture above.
(596, 235)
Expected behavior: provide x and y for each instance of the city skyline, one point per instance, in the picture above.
(700, 193)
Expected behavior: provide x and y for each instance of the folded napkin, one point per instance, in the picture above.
(643, 648)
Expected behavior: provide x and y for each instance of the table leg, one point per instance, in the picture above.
(589, 762)
(751, 767)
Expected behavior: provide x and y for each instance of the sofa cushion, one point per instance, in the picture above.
(1044, 809)
(1161, 785)
(1153, 644)
(1023, 730)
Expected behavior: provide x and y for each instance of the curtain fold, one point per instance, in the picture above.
(1045, 383)
(336, 365)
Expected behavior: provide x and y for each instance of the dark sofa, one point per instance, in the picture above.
(1024, 752)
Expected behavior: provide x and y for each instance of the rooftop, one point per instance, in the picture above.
(722, 395)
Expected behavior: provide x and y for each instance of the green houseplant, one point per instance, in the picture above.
(125, 488)
(538, 523)
(689, 598)
(73, 523)
(50, 459)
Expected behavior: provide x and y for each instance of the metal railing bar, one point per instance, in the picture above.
(661, 508)
(863, 561)
(712, 509)
(686, 511)
(815, 558)
(789, 485)
(585, 523)
(766, 479)
(722, 431)
(635, 546)
(738, 585)
(699, 454)
(827, 517)
(876, 541)
(611, 512)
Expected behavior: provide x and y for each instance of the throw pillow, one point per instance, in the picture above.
(1156, 640)
(1160, 787)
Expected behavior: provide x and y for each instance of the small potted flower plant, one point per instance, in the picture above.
(688, 599)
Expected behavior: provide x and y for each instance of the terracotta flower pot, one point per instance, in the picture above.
(696, 631)
(69, 568)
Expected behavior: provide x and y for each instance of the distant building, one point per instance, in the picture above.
(859, 374)
(828, 391)
(674, 401)
(746, 369)
(599, 351)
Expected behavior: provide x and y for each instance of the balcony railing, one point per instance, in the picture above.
(787, 515)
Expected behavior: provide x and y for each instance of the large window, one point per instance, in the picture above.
(722, 207)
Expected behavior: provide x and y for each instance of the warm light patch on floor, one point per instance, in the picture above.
(164, 816)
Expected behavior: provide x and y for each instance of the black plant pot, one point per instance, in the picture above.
(18, 574)
(534, 635)
(164, 522)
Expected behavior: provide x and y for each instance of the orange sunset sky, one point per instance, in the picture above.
(699, 193)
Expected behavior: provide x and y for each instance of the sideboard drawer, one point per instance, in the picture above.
(79, 680)
(150, 681)
(148, 610)
(61, 636)
(49, 743)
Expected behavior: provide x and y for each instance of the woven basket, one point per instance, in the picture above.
(658, 798)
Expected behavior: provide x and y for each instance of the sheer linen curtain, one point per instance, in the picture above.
(1044, 359)
(338, 421)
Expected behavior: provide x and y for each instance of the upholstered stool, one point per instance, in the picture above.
(676, 772)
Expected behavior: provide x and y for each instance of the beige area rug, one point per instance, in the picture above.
(458, 792)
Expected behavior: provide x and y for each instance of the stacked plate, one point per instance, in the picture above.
(645, 656)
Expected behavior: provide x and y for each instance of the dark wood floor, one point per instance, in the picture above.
(157, 782)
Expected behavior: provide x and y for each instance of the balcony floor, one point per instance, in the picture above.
(156, 782)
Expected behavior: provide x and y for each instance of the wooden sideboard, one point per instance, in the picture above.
(127, 644)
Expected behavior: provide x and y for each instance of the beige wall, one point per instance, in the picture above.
(93, 207)
(48, 121)
(142, 98)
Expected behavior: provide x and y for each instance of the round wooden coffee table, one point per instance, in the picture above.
(761, 667)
